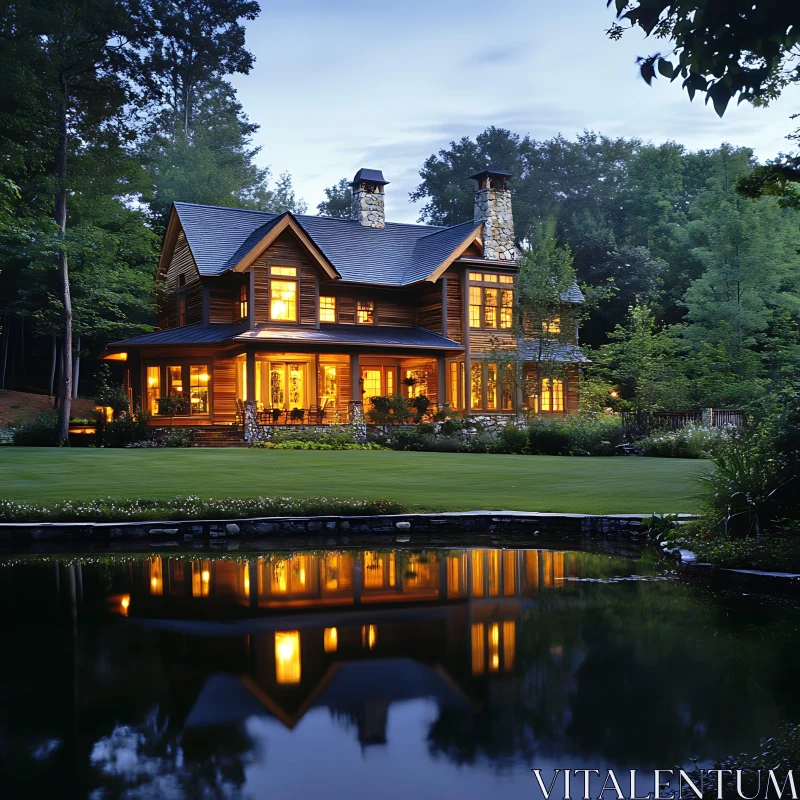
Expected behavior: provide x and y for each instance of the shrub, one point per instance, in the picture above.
(41, 431)
(513, 439)
(420, 406)
(127, 430)
(335, 436)
(692, 441)
(388, 410)
(549, 438)
(178, 508)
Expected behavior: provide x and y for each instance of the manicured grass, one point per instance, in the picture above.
(429, 481)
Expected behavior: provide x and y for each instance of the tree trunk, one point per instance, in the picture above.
(53, 367)
(65, 391)
(5, 350)
(76, 369)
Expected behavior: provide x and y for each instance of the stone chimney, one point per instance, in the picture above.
(493, 209)
(367, 204)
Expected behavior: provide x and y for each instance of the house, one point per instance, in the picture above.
(311, 316)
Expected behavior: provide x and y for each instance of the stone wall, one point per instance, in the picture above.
(367, 207)
(493, 208)
(256, 432)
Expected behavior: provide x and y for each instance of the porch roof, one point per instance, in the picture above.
(187, 334)
(384, 336)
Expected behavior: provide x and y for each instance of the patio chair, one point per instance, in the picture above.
(298, 415)
(239, 419)
(317, 413)
(276, 415)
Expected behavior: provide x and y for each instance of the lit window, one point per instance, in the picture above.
(153, 388)
(283, 300)
(488, 277)
(287, 656)
(506, 279)
(365, 312)
(243, 310)
(552, 325)
(552, 398)
(475, 293)
(475, 276)
(507, 388)
(490, 308)
(181, 311)
(454, 385)
(327, 309)
(286, 272)
(506, 308)
(328, 393)
(477, 385)
(491, 387)
(198, 388)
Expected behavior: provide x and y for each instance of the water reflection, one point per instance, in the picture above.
(192, 673)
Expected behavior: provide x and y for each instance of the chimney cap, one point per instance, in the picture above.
(484, 173)
(369, 176)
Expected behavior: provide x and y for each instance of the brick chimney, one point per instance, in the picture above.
(493, 209)
(367, 204)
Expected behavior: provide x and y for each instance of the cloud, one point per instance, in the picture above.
(500, 54)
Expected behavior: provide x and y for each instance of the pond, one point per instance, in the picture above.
(391, 673)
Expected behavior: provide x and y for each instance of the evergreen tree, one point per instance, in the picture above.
(337, 200)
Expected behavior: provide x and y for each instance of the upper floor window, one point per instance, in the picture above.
(182, 279)
(327, 309)
(181, 311)
(490, 307)
(365, 312)
(552, 325)
(283, 294)
(490, 277)
(243, 309)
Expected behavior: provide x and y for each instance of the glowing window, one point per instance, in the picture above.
(490, 308)
(506, 279)
(286, 272)
(198, 388)
(506, 308)
(488, 277)
(475, 276)
(475, 304)
(491, 387)
(477, 385)
(243, 309)
(283, 300)
(552, 325)
(287, 656)
(327, 309)
(507, 388)
(552, 397)
(454, 392)
(365, 312)
(153, 388)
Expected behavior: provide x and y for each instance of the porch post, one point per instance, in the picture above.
(251, 375)
(441, 381)
(467, 362)
(355, 378)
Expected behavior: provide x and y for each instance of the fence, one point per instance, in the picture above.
(638, 424)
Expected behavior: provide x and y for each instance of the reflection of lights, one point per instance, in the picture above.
(206, 576)
(287, 656)
(302, 576)
(330, 640)
(494, 647)
(247, 580)
(126, 601)
(154, 582)
(495, 661)
(369, 636)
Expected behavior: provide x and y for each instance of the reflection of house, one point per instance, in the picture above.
(311, 314)
(353, 631)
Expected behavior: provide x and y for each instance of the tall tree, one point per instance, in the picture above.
(84, 53)
(337, 200)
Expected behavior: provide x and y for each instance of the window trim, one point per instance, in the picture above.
(482, 285)
(563, 393)
(283, 279)
(374, 311)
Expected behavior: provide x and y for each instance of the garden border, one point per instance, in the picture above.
(400, 527)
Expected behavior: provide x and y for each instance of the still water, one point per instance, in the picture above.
(352, 673)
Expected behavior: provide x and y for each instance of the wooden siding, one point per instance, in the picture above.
(395, 310)
(346, 310)
(288, 252)
(455, 308)
(182, 263)
(429, 309)
(481, 342)
(223, 387)
(223, 299)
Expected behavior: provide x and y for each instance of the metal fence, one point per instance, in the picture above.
(638, 424)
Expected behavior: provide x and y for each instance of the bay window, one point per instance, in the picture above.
(490, 306)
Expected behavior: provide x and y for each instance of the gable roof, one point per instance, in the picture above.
(397, 255)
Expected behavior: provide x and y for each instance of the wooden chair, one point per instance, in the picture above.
(276, 415)
(297, 415)
(239, 412)
(317, 413)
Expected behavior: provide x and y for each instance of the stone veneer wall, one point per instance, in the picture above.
(368, 208)
(254, 431)
(493, 208)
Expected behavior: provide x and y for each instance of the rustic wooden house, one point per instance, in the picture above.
(307, 315)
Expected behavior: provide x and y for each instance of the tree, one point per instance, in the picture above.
(84, 53)
(337, 200)
(725, 50)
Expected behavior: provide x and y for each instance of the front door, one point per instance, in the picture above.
(287, 385)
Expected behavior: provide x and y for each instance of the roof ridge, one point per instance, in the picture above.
(228, 208)
(448, 228)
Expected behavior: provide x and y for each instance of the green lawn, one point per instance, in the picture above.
(433, 481)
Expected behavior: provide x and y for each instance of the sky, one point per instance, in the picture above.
(341, 84)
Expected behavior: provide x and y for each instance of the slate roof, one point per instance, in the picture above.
(396, 255)
(188, 334)
(573, 294)
(528, 349)
(382, 336)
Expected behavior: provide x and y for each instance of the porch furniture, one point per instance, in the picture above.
(240, 412)
(275, 414)
(297, 415)
(263, 417)
(316, 414)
